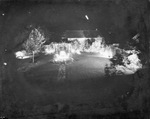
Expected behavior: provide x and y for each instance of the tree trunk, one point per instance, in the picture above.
(33, 57)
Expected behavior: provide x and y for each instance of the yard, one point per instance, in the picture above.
(85, 87)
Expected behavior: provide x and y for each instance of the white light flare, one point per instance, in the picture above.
(73, 51)
(49, 51)
(62, 57)
(22, 55)
(5, 63)
(101, 48)
(107, 52)
(131, 63)
(134, 62)
(86, 16)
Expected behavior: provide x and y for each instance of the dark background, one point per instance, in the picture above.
(117, 20)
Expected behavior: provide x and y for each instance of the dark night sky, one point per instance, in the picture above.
(117, 20)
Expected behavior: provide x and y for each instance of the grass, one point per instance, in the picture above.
(33, 94)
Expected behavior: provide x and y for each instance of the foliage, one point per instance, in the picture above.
(140, 98)
(35, 41)
(117, 59)
(124, 61)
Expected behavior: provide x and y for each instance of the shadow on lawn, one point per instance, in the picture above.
(135, 104)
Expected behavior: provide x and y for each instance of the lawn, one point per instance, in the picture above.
(85, 87)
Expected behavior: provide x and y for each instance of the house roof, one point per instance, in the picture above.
(80, 34)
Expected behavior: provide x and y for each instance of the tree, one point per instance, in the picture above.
(35, 42)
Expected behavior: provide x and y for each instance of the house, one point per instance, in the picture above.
(81, 35)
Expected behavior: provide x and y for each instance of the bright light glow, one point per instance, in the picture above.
(49, 49)
(134, 62)
(106, 52)
(62, 57)
(86, 16)
(100, 47)
(75, 51)
(5, 63)
(22, 55)
(131, 63)
(63, 52)
(3, 14)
